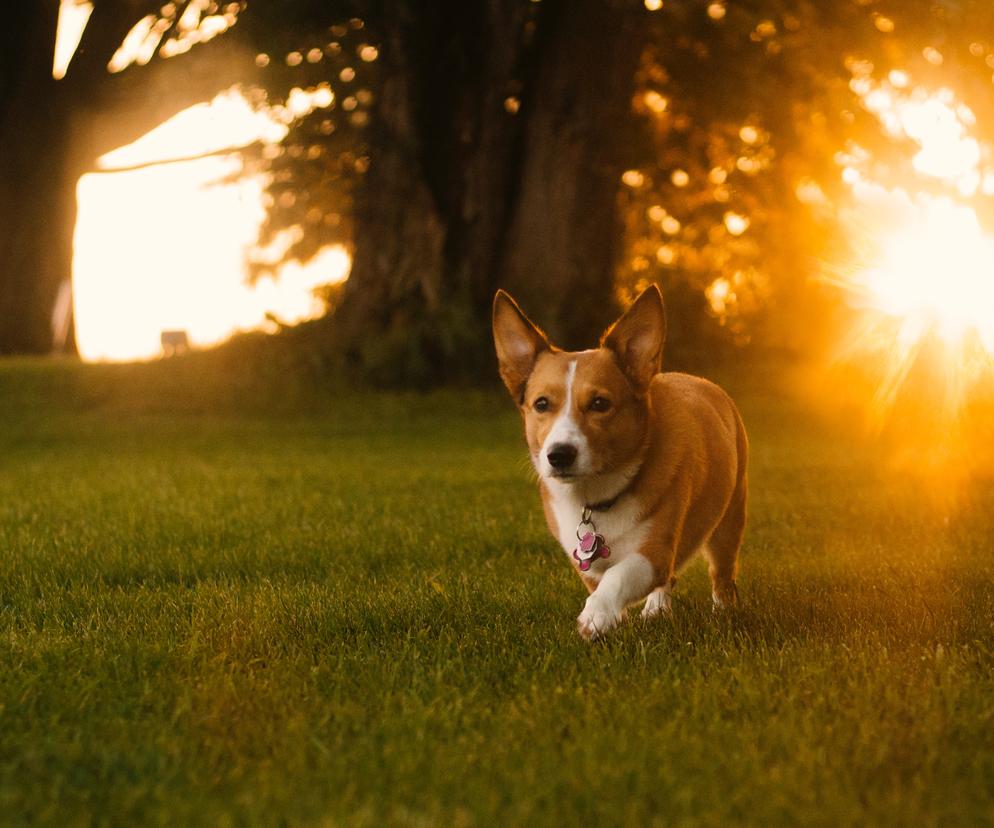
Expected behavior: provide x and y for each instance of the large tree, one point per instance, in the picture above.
(565, 150)
(484, 148)
(492, 152)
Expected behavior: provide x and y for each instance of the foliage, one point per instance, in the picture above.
(348, 610)
(748, 108)
(314, 171)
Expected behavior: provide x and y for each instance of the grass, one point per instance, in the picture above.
(226, 607)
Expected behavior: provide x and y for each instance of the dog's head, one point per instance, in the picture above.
(585, 412)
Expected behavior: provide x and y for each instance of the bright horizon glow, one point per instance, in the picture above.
(165, 247)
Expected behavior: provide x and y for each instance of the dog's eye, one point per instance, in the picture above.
(600, 404)
(541, 404)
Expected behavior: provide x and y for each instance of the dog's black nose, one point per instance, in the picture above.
(561, 456)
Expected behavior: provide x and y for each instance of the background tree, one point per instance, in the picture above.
(563, 150)
(569, 151)
(736, 206)
(481, 147)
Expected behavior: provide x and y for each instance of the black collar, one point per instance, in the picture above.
(603, 505)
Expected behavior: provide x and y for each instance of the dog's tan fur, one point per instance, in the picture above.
(680, 437)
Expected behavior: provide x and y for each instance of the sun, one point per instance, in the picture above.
(923, 274)
(937, 273)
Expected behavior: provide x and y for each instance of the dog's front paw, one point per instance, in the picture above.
(596, 620)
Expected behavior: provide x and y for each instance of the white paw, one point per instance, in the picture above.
(596, 620)
(658, 603)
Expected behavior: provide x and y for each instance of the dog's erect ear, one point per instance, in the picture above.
(637, 338)
(518, 344)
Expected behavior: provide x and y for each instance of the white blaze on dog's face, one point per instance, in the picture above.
(585, 412)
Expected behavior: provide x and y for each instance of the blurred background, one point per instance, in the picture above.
(813, 180)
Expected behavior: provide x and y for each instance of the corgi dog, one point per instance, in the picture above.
(638, 470)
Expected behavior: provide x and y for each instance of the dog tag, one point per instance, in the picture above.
(592, 544)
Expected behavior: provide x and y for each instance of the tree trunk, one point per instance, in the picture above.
(431, 217)
(489, 167)
(563, 244)
(43, 153)
(34, 208)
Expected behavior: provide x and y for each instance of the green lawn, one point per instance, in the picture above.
(224, 606)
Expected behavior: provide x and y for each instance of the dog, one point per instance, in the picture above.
(638, 470)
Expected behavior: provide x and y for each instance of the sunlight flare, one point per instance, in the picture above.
(923, 275)
(937, 271)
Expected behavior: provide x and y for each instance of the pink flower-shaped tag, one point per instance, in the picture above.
(591, 547)
(592, 544)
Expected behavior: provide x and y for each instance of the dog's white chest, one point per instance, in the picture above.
(622, 532)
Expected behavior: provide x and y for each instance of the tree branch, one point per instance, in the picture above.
(144, 165)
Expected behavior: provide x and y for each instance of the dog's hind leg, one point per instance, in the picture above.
(722, 549)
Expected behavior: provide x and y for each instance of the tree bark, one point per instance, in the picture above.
(564, 238)
(33, 208)
(433, 207)
(490, 167)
